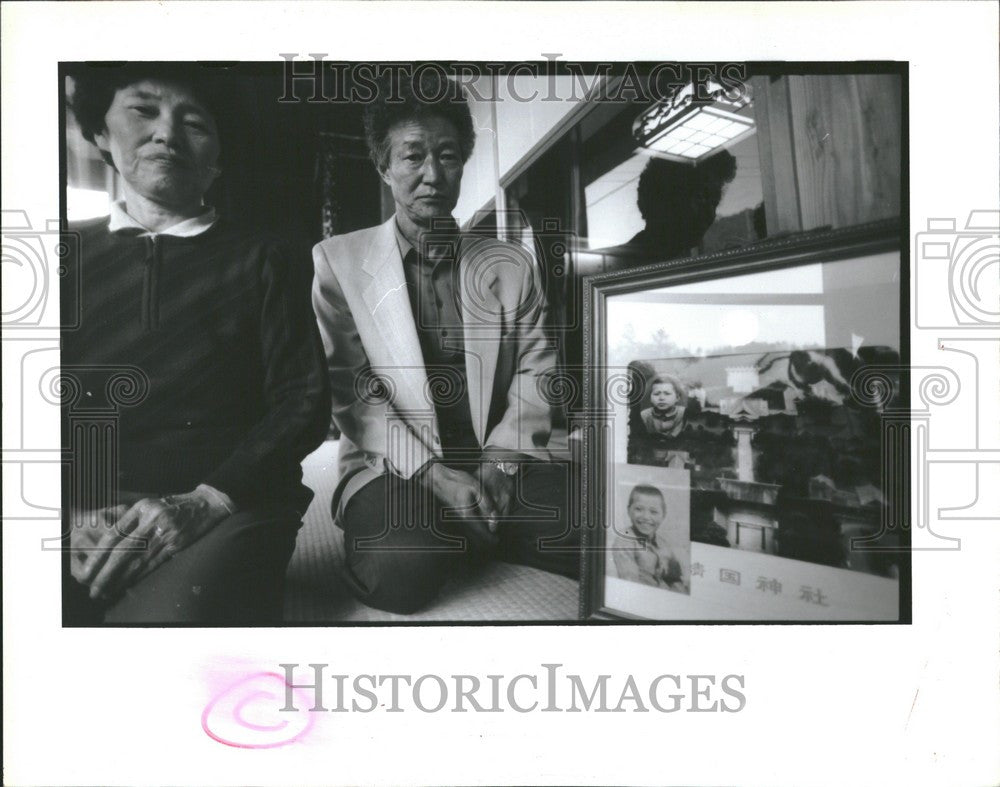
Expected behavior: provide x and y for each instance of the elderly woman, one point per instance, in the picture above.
(214, 324)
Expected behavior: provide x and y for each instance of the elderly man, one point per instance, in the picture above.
(438, 362)
(214, 326)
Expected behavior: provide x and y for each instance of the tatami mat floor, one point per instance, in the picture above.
(498, 592)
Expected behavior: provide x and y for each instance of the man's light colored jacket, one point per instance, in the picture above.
(381, 400)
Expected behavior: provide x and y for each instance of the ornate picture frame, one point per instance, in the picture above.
(745, 448)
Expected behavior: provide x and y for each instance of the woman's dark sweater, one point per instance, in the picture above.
(221, 326)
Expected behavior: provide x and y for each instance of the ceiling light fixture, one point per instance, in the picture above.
(693, 124)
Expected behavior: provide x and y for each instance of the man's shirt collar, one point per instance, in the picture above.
(120, 220)
(405, 247)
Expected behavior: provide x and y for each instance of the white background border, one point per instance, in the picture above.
(825, 705)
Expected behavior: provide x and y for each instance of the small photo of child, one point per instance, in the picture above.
(645, 550)
(665, 415)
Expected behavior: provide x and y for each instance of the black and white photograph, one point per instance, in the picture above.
(408, 426)
(786, 457)
(385, 379)
(387, 448)
(731, 378)
(652, 543)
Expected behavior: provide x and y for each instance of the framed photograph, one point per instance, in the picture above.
(650, 541)
(746, 446)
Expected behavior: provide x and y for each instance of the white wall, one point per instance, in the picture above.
(523, 123)
(479, 184)
(520, 125)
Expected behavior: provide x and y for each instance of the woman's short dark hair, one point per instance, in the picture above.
(426, 92)
(95, 85)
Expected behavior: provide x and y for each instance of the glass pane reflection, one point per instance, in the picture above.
(643, 208)
(744, 385)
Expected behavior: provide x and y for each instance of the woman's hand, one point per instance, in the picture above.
(145, 536)
(87, 528)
